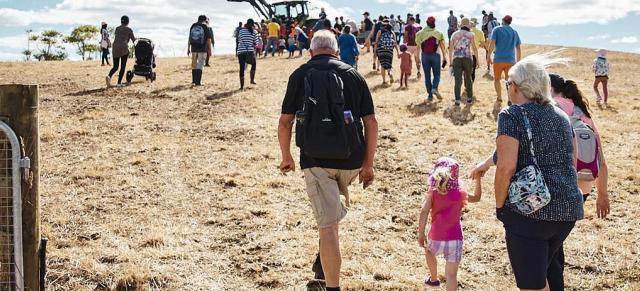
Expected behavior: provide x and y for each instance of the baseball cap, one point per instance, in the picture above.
(507, 19)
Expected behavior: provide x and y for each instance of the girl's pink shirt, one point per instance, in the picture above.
(446, 211)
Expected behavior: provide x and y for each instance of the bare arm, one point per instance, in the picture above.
(518, 53)
(424, 215)
(492, 45)
(477, 192)
(209, 46)
(602, 181)
(507, 148)
(371, 141)
(284, 138)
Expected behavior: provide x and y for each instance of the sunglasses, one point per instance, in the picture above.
(508, 83)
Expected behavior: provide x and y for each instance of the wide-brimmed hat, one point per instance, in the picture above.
(465, 23)
(601, 53)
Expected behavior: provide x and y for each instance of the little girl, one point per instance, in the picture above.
(445, 200)
(282, 45)
(405, 65)
(291, 46)
(600, 68)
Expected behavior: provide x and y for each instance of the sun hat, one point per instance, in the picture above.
(474, 21)
(601, 53)
(465, 23)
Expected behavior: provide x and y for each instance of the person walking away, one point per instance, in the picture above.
(444, 200)
(405, 65)
(348, 46)
(105, 43)
(600, 68)
(199, 48)
(506, 43)
(246, 43)
(366, 34)
(571, 100)
(491, 25)
(328, 166)
(418, 21)
(485, 20)
(538, 205)
(453, 24)
(264, 33)
(213, 43)
(273, 29)
(410, 31)
(374, 34)
(302, 39)
(430, 40)
(397, 30)
(480, 41)
(235, 32)
(120, 49)
(385, 44)
(462, 49)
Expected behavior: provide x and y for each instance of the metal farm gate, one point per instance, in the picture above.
(11, 163)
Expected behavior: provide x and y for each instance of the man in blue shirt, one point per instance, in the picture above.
(505, 42)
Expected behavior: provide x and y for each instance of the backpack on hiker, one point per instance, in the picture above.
(430, 46)
(324, 130)
(197, 35)
(588, 149)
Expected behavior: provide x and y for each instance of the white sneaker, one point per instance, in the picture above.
(108, 81)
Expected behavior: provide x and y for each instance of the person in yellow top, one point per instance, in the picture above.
(429, 40)
(480, 43)
(272, 37)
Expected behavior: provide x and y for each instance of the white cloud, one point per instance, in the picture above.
(626, 39)
(598, 37)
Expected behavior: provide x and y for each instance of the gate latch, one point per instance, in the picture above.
(26, 165)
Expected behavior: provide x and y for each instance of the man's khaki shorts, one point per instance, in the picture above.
(324, 187)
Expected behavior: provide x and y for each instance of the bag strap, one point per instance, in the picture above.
(527, 127)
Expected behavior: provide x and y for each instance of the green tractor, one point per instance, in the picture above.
(284, 11)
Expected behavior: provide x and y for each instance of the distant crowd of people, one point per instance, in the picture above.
(542, 178)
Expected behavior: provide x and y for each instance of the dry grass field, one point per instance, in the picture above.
(165, 186)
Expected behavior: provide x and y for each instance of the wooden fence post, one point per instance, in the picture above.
(19, 109)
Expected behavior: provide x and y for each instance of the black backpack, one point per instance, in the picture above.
(324, 129)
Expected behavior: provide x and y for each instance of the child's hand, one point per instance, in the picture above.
(422, 241)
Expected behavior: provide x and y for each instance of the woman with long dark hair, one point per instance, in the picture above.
(385, 44)
(121, 49)
(571, 100)
(246, 43)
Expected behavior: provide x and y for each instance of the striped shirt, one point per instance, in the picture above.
(553, 145)
(247, 41)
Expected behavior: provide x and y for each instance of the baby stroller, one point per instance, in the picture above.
(145, 60)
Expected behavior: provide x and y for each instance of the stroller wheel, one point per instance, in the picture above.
(129, 76)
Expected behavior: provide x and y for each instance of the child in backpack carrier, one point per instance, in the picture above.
(405, 65)
(600, 68)
(444, 199)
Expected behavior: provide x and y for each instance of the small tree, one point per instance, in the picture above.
(92, 50)
(83, 36)
(51, 39)
(27, 54)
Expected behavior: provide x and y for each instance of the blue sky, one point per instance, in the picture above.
(584, 23)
